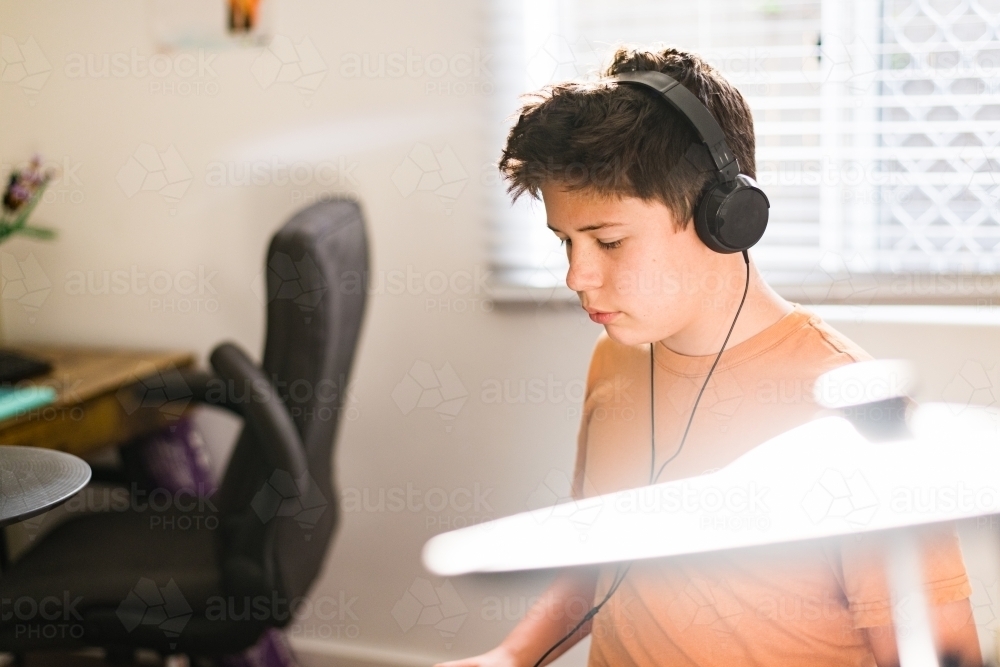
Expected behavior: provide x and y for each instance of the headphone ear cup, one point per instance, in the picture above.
(731, 217)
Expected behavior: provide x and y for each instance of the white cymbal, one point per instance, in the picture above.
(865, 382)
(818, 480)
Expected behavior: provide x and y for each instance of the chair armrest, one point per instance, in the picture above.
(248, 391)
(240, 386)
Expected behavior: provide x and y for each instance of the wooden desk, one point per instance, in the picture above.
(104, 397)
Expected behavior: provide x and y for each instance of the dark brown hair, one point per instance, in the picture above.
(626, 141)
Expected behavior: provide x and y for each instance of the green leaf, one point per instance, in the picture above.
(37, 232)
(22, 216)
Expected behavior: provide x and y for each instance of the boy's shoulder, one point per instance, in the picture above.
(832, 344)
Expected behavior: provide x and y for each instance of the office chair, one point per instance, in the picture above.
(206, 577)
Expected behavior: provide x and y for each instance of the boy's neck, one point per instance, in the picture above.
(705, 332)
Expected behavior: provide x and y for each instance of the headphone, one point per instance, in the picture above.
(732, 213)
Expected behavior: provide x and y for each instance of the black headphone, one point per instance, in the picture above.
(732, 214)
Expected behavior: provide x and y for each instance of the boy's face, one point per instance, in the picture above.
(634, 271)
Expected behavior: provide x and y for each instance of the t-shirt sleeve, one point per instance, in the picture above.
(866, 583)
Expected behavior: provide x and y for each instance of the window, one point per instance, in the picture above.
(877, 126)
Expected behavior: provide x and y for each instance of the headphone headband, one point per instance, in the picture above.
(732, 213)
(704, 123)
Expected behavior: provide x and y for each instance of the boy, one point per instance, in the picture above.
(620, 172)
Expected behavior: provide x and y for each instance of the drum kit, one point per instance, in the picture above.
(878, 462)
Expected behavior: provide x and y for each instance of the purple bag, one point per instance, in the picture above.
(271, 650)
(175, 459)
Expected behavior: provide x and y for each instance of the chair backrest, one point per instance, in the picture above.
(273, 533)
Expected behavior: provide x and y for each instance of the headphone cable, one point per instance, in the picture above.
(746, 287)
(620, 574)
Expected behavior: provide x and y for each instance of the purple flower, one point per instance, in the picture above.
(24, 184)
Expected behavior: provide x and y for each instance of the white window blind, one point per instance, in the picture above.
(877, 125)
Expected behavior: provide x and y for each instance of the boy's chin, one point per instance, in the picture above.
(625, 335)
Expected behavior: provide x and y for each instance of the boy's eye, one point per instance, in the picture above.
(609, 245)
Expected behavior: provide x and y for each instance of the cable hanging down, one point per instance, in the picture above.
(619, 572)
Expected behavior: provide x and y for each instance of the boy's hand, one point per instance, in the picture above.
(498, 657)
(559, 608)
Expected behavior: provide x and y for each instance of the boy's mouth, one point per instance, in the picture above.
(602, 317)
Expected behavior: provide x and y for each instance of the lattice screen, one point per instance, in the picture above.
(939, 130)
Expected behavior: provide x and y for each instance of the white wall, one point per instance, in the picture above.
(359, 130)
(365, 127)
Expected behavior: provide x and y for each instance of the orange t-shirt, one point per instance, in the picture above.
(797, 604)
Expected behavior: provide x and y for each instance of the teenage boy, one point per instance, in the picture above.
(620, 173)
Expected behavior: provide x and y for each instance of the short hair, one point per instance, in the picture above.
(625, 140)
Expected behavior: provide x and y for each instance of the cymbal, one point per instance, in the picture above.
(821, 479)
(33, 479)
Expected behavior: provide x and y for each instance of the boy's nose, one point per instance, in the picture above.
(583, 275)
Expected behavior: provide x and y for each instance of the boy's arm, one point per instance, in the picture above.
(561, 606)
(946, 586)
(954, 636)
(568, 599)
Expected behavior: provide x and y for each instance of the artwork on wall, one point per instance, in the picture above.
(243, 16)
(211, 24)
